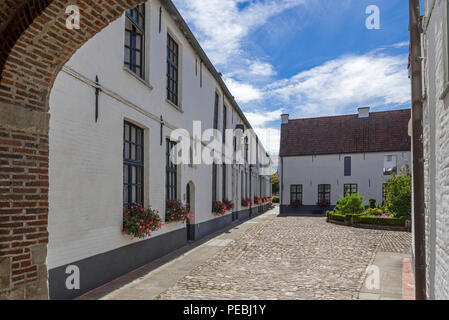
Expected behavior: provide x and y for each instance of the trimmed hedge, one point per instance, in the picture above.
(399, 222)
(336, 217)
(357, 218)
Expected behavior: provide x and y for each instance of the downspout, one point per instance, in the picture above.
(418, 154)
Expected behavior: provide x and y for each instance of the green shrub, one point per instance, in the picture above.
(382, 221)
(276, 199)
(399, 195)
(350, 204)
(372, 203)
(374, 212)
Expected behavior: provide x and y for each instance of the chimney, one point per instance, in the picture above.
(364, 112)
(285, 118)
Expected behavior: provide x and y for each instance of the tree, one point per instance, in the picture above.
(399, 195)
(275, 183)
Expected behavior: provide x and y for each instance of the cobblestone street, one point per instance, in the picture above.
(273, 257)
(290, 258)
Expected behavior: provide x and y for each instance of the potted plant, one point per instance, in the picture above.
(323, 203)
(229, 204)
(176, 211)
(219, 208)
(246, 202)
(297, 204)
(139, 222)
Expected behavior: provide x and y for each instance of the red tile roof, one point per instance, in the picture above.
(382, 131)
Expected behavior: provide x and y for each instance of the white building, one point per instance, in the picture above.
(435, 43)
(326, 158)
(153, 78)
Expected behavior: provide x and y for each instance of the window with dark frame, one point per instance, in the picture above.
(217, 100)
(350, 189)
(133, 165)
(224, 181)
(214, 182)
(135, 40)
(171, 179)
(295, 193)
(172, 69)
(324, 192)
(347, 166)
(225, 124)
(242, 194)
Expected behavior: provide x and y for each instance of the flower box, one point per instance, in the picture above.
(139, 222)
(219, 208)
(176, 211)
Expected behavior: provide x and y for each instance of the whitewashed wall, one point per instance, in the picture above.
(86, 162)
(310, 171)
(436, 148)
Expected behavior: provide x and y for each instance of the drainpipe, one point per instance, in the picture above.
(418, 154)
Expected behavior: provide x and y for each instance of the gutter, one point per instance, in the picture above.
(418, 151)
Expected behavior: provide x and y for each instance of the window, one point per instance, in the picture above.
(246, 185)
(135, 40)
(324, 192)
(214, 182)
(295, 193)
(347, 166)
(225, 111)
(132, 165)
(172, 70)
(350, 189)
(217, 100)
(242, 186)
(224, 181)
(171, 179)
(246, 149)
(390, 165)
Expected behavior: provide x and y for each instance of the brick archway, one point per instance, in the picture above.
(35, 46)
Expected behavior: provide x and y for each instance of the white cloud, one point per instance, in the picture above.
(261, 118)
(341, 85)
(262, 69)
(243, 92)
(270, 139)
(221, 26)
(401, 44)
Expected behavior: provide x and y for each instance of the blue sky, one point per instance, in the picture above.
(304, 57)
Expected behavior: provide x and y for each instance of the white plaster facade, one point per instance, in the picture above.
(436, 147)
(310, 171)
(86, 157)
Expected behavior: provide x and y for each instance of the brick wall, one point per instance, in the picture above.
(35, 46)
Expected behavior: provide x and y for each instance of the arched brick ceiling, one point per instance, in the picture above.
(36, 43)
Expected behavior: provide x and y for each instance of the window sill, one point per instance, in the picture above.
(445, 91)
(137, 77)
(179, 109)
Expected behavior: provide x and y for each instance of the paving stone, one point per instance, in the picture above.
(290, 258)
